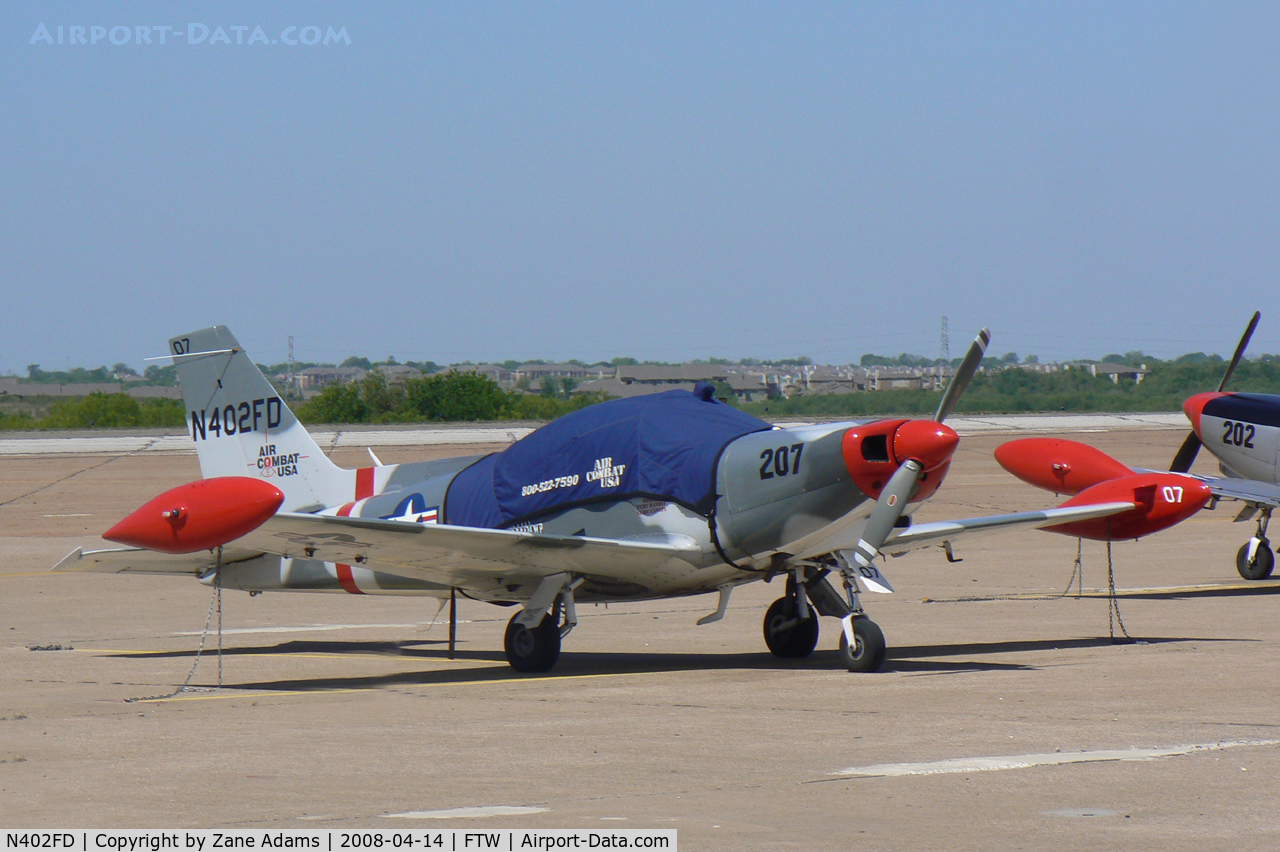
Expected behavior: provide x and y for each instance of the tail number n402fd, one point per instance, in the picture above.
(235, 419)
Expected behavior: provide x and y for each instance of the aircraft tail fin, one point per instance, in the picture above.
(241, 426)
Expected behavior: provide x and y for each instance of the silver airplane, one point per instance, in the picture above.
(668, 495)
(1242, 430)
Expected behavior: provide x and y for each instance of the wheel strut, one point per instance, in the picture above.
(1255, 560)
(862, 645)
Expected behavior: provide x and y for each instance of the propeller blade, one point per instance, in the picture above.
(1186, 454)
(1244, 341)
(1191, 446)
(960, 381)
(890, 506)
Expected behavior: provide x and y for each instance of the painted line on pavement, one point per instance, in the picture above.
(45, 573)
(268, 694)
(468, 813)
(319, 693)
(1255, 586)
(301, 655)
(957, 765)
(236, 631)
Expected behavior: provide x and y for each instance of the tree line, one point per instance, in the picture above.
(453, 396)
(468, 396)
(1016, 390)
(99, 411)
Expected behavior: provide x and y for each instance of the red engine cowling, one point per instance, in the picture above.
(873, 451)
(1059, 465)
(199, 515)
(1162, 500)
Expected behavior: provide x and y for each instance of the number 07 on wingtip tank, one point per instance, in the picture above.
(668, 495)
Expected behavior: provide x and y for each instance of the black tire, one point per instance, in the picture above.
(532, 651)
(1263, 561)
(869, 649)
(793, 642)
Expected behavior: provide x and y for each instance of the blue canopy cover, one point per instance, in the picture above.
(662, 445)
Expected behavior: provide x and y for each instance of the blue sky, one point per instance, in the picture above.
(663, 180)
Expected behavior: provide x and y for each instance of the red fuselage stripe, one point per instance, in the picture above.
(344, 571)
(348, 582)
(364, 482)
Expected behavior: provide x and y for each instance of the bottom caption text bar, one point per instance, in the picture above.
(329, 840)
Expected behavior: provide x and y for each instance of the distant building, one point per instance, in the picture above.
(154, 392)
(398, 372)
(10, 386)
(494, 372)
(313, 378)
(894, 378)
(747, 387)
(1116, 372)
(824, 379)
(824, 388)
(542, 371)
(937, 377)
(662, 374)
(622, 390)
(536, 370)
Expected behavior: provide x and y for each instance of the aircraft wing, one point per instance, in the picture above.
(937, 532)
(468, 557)
(1249, 490)
(135, 560)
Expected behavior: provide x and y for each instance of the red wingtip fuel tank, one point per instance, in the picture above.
(1059, 465)
(1194, 407)
(1162, 500)
(199, 515)
(873, 451)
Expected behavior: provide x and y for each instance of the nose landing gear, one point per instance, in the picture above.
(1255, 560)
(866, 652)
(791, 622)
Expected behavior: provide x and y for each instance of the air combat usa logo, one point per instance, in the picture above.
(606, 474)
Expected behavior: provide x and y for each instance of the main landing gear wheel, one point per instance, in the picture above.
(535, 650)
(1263, 561)
(786, 635)
(867, 653)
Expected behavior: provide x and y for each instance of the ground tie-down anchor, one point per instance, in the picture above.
(215, 605)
